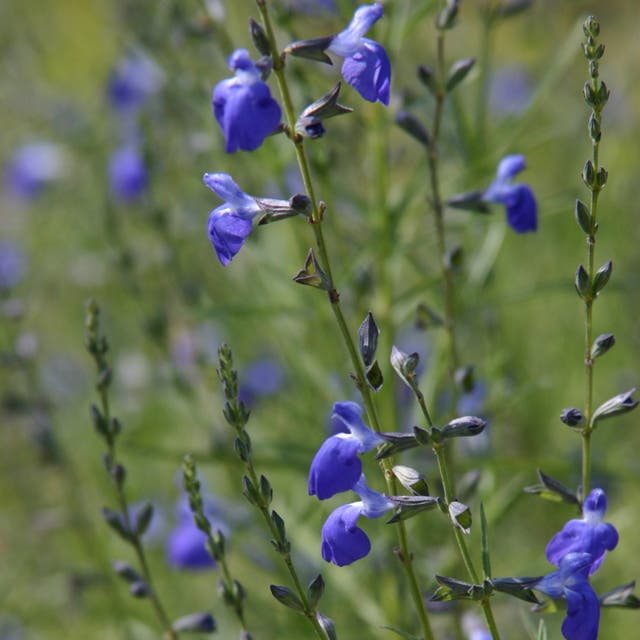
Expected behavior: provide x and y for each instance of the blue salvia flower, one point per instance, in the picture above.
(128, 177)
(230, 223)
(336, 466)
(586, 535)
(571, 583)
(12, 265)
(243, 105)
(135, 79)
(366, 65)
(186, 544)
(32, 167)
(343, 542)
(518, 199)
(261, 379)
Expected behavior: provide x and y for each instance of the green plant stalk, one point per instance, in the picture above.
(588, 331)
(263, 507)
(121, 497)
(334, 298)
(447, 485)
(437, 208)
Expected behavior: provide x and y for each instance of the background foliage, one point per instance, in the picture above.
(168, 304)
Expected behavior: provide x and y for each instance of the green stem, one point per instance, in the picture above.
(334, 298)
(135, 541)
(263, 507)
(437, 208)
(588, 332)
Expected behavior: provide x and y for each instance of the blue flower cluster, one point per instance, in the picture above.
(578, 550)
(337, 467)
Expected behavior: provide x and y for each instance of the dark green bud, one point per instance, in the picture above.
(140, 589)
(144, 515)
(265, 490)
(447, 17)
(622, 403)
(458, 73)
(591, 27)
(594, 128)
(463, 427)
(582, 283)
(602, 344)
(589, 174)
(409, 506)
(195, 622)
(411, 125)
(285, 596)
(572, 417)
(427, 76)
(517, 587)
(259, 37)
(368, 338)
(315, 591)
(601, 277)
(583, 217)
(327, 625)
(311, 49)
(115, 521)
(126, 571)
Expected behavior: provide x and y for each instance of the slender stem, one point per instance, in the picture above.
(134, 539)
(588, 332)
(437, 208)
(334, 298)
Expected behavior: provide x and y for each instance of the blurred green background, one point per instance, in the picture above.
(167, 303)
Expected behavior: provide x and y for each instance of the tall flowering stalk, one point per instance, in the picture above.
(348, 41)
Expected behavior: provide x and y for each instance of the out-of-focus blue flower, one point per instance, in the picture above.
(128, 176)
(186, 544)
(518, 199)
(343, 542)
(262, 378)
(230, 223)
(32, 167)
(509, 91)
(136, 79)
(587, 535)
(243, 105)
(366, 65)
(336, 466)
(12, 265)
(571, 583)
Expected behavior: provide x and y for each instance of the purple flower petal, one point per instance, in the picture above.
(227, 234)
(522, 209)
(336, 466)
(243, 106)
(342, 541)
(369, 72)
(510, 166)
